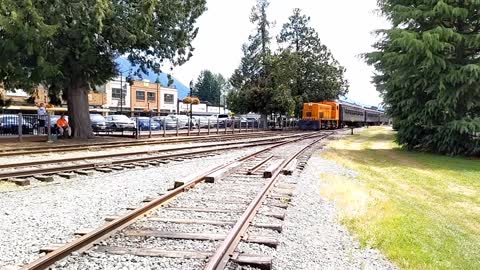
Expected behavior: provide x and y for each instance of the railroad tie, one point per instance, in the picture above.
(50, 248)
(85, 173)
(176, 185)
(256, 239)
(44, 178)
(67, 175)
(104, 170)
(290, 168)
(272, 168)
(153, 163)
(19, 182)
(258, 261)
(129, 166)
(163, 161)
(262, 262)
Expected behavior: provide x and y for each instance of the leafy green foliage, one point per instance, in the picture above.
(210, 87)
(428, 67)
(70, 45)
(316, 75)
(302, 70)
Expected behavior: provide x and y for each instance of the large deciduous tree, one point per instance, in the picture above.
(70, 45)
(428, 71)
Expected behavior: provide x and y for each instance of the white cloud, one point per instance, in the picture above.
(345, 26)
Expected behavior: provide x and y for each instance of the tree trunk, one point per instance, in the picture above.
(78, 111)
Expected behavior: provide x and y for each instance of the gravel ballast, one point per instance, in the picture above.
(34, 218)
(312, 236)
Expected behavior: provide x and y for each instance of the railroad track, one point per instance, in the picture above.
(109, 145)
(119, 161)
(224, 207)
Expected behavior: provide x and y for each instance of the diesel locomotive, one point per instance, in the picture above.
(333, 115)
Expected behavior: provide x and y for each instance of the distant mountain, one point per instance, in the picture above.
(183, 91)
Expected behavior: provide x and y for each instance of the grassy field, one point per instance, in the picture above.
(422, 211)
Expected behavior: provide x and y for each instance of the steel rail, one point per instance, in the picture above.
(85, 242)
(115, 155)
(109, 145)
(76, 167)
(223, 254)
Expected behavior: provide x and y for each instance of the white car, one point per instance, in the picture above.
(204, 121)
(182, 120)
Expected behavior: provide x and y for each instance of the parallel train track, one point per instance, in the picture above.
(258, 173)
(68, 165)
(109, 145)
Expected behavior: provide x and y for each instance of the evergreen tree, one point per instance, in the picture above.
(70, 45)
(428, 71)
(254, 81)
(209, 87)
(317, 75)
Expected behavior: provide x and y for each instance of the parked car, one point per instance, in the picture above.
(249, 122)
(98, 122)
(204, 121)
(9, 124)
(145, 123)
(183, 120)
(169, 122)
(223, 119)
(119, 122)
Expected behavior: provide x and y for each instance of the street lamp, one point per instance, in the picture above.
(158, 94)
(191, 96)
(122, 87)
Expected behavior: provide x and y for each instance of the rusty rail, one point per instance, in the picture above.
(223, 254)
(124, 154)
(87, 241)
(108, 145)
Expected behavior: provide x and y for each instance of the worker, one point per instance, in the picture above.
(63, 126)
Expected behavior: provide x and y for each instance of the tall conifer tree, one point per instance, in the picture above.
(428, 67)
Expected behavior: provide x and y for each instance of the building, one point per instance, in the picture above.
(117, 101)
(152, 98)
(202, 109)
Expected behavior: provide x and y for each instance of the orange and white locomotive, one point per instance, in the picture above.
(333, 115)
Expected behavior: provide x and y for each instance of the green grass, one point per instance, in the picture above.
(421, 210)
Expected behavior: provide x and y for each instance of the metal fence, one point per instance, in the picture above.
(196, 126)
(18, 125)
(154, 126)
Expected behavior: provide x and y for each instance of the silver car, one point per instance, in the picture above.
(119, 122)
(169, 122)
(183, 120)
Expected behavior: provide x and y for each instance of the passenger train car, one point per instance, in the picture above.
(333, 115)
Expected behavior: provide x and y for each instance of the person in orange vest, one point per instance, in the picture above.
(63, 126)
